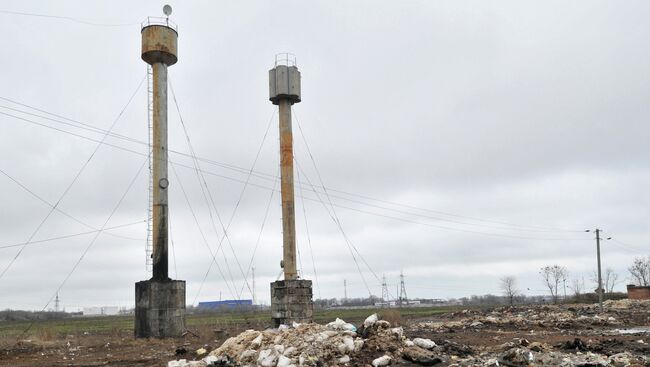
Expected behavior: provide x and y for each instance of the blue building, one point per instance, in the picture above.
(226, 304)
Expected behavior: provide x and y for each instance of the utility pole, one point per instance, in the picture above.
(56, 303)
(600, 278)
(345, 289)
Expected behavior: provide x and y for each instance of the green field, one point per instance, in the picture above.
(123, 325)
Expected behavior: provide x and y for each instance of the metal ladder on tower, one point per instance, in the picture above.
(149, 244)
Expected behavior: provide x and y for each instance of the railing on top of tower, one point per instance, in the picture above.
(164, 21)
(285, 58)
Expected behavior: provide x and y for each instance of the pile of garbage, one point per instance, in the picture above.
(338, 343)
(615, 313)
(625, 304)
(522, 319)
(524, 357)
(541, 354)
(376, 343)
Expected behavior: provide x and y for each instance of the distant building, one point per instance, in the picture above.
(227, 304)
(101, 311)
(411, 302)
(638, 292)
(386, 304)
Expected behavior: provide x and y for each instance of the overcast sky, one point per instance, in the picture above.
(459, 142)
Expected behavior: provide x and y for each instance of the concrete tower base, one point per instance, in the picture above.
(291, 301)
(159, 308)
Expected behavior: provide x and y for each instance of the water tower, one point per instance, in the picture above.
(291, 298)
(159, 301)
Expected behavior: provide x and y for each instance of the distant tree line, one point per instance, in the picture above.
(19, 315)
(494, 300)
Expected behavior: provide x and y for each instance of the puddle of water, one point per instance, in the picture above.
(636, 330)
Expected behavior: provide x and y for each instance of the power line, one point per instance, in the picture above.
(171, 238)
(92, 242)
(385, 297)
(403, 298)
(71, 19)
(73, 235)
(204, 187)
(70, 122)
(627, 246)
(311, 250)
(505, 225)
(205, 241)
(34, 194)
(74, 180)
(313, 189)
(502, 224)
(459, 229)
(335, 216)
(354, 258)
(259, 236)
(201, 177)
(534, 228)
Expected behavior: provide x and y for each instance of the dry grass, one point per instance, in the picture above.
(46, 335)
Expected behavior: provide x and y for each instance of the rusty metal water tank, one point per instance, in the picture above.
(159, 41)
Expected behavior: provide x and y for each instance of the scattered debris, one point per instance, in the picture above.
(370, 320)
(378, 344)
(382, 361)
(577, 344)
(421, 357)
(533, 335)
(424, 343)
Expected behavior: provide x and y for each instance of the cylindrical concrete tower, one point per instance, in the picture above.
(160, 301)
(291, 298)
(284, 91)
(159, 45)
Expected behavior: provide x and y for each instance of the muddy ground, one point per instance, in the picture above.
(567, 335)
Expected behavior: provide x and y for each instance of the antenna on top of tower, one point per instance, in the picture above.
(167, 10)
(163, 21)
